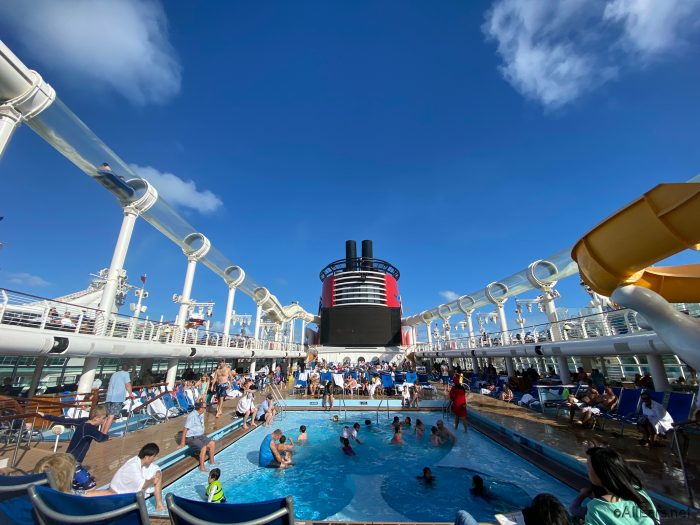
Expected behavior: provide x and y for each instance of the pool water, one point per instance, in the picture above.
(379, 483)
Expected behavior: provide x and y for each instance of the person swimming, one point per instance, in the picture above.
(420, 429)
(347, 449)
(427, 476)
(398, 436)
(435, 437)
(478, 488)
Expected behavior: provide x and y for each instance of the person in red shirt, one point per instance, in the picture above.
(458, 396)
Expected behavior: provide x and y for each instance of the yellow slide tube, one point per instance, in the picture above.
(661, 223)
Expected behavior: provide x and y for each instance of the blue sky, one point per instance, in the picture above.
(467, 139)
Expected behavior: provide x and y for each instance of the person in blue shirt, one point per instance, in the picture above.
(193, 436)
(269, 456)
(118, 390)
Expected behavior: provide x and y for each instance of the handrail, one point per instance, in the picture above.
(21, 430)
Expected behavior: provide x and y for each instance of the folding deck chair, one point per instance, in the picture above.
(189, 512)
(15, 505)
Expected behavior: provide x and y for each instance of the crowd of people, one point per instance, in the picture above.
(614, 490)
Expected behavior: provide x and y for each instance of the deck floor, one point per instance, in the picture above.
(658, 468)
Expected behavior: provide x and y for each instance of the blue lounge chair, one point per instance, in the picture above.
(399, 378)
(188, 512)
(15, 506)
(388, 384)
(56, 508)
(626, 407)
(411, 377)
(302, 383)
(680, 406)
(182, 400)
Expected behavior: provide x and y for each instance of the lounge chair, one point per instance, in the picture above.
(388, 384)
(57, 508)
(627, 406)
(189, 512)
(301, 384)
(15, 506)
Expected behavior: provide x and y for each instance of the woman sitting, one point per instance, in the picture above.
(506, 395)
(351, 385)
(616, 491)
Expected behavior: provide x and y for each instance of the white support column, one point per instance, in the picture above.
(302, 338)
(291, 331)
(658, 373)
(171, 375)
(258, 316)
(505, 338)
(234, 277)
(564, 373)
(10, 119)
(229, 309)
(186, 292)
(252, 368)
(149, 196)
(470, 328)
(496, 294)
(88, 375)
(430, 335)
(116, 268)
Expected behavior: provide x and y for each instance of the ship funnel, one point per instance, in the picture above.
(367, 250)
(367, 255)
(350, 253)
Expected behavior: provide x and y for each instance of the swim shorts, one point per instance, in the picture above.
(221, 390)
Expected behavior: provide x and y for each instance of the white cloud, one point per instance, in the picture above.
(178, 192)
(119, 43)
(25, 280)
(449, 295)
(554, 52)
(651, 26)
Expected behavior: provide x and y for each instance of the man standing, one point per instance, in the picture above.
(269, 456)
(118, 390)
(193, 436)
(445, 374)
(222, 382)
(267, 411)
(140, 473)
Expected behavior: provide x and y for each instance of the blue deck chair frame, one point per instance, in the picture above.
(627, 405)
(388, 383)
(15, 505)
(189, 512)
(56, 508)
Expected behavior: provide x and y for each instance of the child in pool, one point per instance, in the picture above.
(347, 449)
(215, 494)
(420, 429)
(435, 437)
(427, 476)
(302, 434)
(396, 422)
(286, 449)
(398, 436)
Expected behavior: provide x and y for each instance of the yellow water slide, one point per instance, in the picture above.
(622, 249)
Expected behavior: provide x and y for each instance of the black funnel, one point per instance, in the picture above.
(367, 250)
(350, 253)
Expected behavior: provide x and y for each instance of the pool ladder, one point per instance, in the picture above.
(278, 399)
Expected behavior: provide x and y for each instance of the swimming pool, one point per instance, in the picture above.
(379, 483)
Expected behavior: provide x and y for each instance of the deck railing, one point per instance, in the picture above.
(30, 311)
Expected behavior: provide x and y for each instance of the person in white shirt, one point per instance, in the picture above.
(245, 409)
(655, 421)
(350, 433)
(140, 473)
